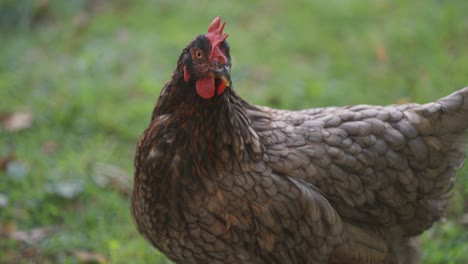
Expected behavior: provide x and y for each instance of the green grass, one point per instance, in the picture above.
(90, 74)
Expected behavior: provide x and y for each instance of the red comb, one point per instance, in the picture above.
(215, 32)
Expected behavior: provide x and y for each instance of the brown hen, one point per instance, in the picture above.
(218, 180)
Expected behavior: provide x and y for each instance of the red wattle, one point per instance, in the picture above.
(206, 87)
(221, 88)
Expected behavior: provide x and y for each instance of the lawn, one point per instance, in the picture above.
(79, 79)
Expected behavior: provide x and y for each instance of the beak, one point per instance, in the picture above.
(223, 73)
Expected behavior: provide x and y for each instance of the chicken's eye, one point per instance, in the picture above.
(199, 54)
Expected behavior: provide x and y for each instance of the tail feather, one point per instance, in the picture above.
(443, 126)
(446, 115)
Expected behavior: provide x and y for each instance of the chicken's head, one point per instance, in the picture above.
(206, 62)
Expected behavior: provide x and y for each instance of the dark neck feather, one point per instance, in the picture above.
(214, 131)
(192, 142)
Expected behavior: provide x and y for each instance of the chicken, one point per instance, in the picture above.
(218, 180)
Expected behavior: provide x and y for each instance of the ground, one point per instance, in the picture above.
(78, 80)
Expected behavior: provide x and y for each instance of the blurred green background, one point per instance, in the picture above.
(79, 79)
